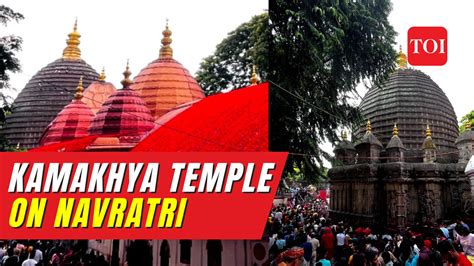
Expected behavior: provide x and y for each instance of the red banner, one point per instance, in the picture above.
(137, 195)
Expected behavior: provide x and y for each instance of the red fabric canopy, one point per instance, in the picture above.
(232, 122)
(72, 145)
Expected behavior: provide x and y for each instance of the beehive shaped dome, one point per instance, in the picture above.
(72, 122)
(124, 115)
(165, 83)
(46, 94)
(98, 92)
(412, 100)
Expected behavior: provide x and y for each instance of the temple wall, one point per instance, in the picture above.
(398, 194)
(234, 252)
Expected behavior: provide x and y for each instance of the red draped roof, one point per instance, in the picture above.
(71, 123)
(233, 121)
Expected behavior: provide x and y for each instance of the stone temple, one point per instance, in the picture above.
(407, 163)
(46, 94)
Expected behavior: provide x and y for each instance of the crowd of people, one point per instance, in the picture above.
(48, 253)
(302, 234)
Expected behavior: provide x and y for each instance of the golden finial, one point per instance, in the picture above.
(344, 135)
(102, 75)
(401, 59)
(79, 90)
(369, 126)
(127, 81)
(72, 51)
(468, 125)
(254, 78)
(428, 131)
(18, 146)
(395, 130)
(166, 51)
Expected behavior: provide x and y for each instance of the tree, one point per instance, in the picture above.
(9, 46)
(231, 64)
(320, 51)
(469, 117)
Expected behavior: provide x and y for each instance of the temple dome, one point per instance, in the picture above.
(123, 115)
(98, 92)
(46, 94)
(412, 100)
(71, 123)
(165, 84)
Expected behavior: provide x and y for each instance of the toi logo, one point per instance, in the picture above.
(427, 46)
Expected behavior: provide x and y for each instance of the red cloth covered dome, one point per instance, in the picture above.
(231, 122)
(75, 145)
(165, 83)
(72, 122)
(124, 114)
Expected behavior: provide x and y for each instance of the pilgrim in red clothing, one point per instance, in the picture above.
(328, 242)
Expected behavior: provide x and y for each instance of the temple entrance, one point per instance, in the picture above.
(165, 253)
(185, 251)
(214, 253)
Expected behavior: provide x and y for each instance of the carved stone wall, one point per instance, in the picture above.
(398, 194)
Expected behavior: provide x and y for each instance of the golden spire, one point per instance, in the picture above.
(166, 51)
(428, 131)
(395, 130)
(102, 75)
(79, 90)
(72, 51)
(254, 78)
(401, 59)
(344, 135)
(369, 126)
(468, 125)
(127, 81)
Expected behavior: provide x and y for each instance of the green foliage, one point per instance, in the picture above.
(9, 46)
(469, 117)
(320, 51)
(231, 64)
(296, 175)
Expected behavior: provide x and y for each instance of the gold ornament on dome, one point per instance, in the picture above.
(72, 51)
(468, 125)
(369, 127)
(166, 51)
(254, 78)
(395, 130)
(401, 59)
(127, 81)
(79, 90)
(102, 75)
(428, 131)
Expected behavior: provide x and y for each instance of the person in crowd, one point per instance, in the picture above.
(327, 242)
(308, 227)
(466, 240)
(451, 256)
(11, 259)
(30, 261)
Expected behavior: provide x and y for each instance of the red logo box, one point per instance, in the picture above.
(427, 46)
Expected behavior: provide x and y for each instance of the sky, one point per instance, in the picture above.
(455, 77)
(114, 31)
